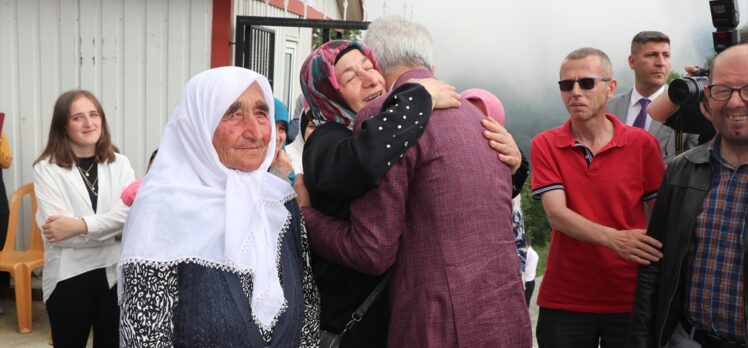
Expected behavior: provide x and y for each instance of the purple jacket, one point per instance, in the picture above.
(441, 218)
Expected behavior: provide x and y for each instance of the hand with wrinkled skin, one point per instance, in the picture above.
(302, 194)
(635, 245)
(503, 143)
(282, 163)
(58, 228)
(443, 95)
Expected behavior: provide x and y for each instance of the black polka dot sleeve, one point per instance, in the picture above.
(346, 166)
(385, 137)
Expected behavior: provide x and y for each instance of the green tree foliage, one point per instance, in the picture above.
(673, 76)
(347, 34)
(743, 39)
(536, 223)
(523, 128)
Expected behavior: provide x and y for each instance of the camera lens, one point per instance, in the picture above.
(687, 90)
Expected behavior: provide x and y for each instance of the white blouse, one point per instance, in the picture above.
(61, 191)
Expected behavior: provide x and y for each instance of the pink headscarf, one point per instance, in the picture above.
(491, 103)
(319, 85)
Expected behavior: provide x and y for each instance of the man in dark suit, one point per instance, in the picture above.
(650, 61)
(440, 218)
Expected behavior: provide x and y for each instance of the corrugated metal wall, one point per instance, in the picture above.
(134, 55)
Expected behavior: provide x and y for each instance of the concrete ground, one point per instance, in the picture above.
(9, 336)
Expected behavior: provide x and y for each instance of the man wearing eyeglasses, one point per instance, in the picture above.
(593, 174)
(650, 61)
(695, 295)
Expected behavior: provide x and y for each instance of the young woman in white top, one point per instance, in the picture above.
(77, 180)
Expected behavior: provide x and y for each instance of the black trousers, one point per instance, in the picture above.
(562, 329)
(529, 288)
(82, 302)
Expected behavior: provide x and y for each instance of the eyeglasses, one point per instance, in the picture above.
(722, 92)
(585, 83)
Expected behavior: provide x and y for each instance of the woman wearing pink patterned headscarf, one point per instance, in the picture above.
(339, 79)
(321, 88)
(339, 167)
(335, 96)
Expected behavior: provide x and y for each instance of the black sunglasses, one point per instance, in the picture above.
(584, 83)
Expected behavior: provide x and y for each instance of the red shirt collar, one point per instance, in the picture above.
(566, 138)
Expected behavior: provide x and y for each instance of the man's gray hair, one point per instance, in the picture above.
(396, 41)
(585, 52)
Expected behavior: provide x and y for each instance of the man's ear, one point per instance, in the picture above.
(706, 109)
(612, 88)
(631, 60)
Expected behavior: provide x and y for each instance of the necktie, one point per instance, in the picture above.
(641, 118)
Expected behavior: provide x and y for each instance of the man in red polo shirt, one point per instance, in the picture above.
(594, 175)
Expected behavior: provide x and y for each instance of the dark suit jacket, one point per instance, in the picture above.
(619, 106)
(441, 218)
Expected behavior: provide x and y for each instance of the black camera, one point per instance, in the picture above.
(689, 89)
(688, 92)
(725, 18)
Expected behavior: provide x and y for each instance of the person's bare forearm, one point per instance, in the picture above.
(631, 245)
(578, 227)
(661, 108)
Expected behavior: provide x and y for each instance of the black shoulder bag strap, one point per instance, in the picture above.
(361, 310)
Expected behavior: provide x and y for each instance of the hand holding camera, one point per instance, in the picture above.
(679, 108)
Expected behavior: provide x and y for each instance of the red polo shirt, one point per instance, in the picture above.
(610, 191)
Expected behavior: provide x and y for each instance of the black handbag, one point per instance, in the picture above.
(332, 340)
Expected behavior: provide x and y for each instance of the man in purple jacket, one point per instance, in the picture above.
(440, 219)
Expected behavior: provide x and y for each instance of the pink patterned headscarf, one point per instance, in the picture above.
(321, 88)
(491, 103)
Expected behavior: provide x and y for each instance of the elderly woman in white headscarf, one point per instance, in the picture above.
(214, 250)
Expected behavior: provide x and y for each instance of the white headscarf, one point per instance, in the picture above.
(192, 208)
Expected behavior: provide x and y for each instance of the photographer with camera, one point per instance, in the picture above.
(695, 295)
(650, 61)
(679, 108)
(680, 111)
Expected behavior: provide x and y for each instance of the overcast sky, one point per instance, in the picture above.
(514, 48)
